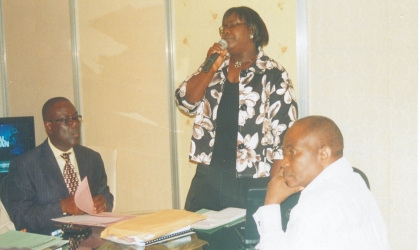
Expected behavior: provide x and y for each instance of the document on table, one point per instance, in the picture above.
(145, 229)
(18, 239)
(134, 240)
(220, 218)
(84, 201)
(89, 220)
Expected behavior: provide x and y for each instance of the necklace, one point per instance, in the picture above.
(239, 64)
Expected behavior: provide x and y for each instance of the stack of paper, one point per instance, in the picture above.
(220, 218)
(145, 229)
(19, 240)
(84, 201)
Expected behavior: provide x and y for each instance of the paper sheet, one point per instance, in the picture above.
(83, 197)
(84, 201)
(219, 218)
(89, 220)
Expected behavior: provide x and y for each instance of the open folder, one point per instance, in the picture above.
(149, 228)
(84, 201)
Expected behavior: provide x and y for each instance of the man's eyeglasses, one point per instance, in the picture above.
(69, 120)
(229, 25)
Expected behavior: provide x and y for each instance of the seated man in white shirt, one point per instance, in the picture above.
(335, 210)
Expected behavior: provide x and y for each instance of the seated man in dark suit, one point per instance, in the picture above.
(42, 182)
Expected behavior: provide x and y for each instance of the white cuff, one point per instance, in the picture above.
(268, 219)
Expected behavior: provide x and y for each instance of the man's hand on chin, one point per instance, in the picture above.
(277, 189)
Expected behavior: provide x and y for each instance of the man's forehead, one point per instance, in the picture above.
(62, 108)
(288, 142)
(295, 137)
(299, 129)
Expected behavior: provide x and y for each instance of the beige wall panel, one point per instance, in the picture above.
(403, 122)
(39, 62)
(363, 75)
(196, 26)
(125, 96)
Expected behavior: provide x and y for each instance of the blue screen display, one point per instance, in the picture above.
(17, 136)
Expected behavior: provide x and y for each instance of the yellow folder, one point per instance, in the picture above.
(154, 225)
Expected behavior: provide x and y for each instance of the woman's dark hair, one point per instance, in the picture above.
(254, 21)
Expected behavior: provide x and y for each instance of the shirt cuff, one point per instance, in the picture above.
(268, 219)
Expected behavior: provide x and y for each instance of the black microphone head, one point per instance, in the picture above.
(223, 43)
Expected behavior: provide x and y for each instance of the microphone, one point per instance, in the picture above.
(213, 57)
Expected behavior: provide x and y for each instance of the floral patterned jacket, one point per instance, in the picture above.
(267, 108)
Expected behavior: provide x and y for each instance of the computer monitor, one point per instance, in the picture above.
(17, 136)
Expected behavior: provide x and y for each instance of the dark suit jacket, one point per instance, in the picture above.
(36, 186)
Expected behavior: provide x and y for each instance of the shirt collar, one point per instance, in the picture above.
(339, 167)
(57, 152)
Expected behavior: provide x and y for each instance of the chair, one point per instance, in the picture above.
(364, 177)
(109, 157)
(288, 204)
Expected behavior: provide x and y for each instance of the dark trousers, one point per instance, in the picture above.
(217, 188)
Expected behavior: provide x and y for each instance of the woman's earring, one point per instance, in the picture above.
(251, 36)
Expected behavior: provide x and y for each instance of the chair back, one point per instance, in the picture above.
(109, 157)
(364, 177)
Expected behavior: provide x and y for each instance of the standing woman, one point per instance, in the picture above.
(243, 105)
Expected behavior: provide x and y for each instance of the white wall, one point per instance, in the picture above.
(38, 53)
(363, 74)
(124, 92)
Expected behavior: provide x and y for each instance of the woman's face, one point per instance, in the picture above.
(237, 34)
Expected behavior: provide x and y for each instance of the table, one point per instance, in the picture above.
(225, 238)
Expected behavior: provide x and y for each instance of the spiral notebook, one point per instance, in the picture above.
(133, 240)
(174, 235)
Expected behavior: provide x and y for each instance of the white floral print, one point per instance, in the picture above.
(267, 108)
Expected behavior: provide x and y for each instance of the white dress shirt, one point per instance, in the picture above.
(61, 162)
(335, 211)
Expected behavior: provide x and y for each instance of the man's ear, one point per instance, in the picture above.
(325, 155)
(48, 127)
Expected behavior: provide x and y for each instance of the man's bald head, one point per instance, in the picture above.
(325, 131)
